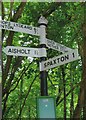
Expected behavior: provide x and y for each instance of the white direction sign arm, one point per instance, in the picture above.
(59, 60)
(57, 46)
(17, 27)
(24, 51)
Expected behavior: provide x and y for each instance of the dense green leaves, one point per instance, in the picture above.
(22, 85)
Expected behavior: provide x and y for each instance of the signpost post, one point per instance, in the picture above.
(43, 74)
(45, 103)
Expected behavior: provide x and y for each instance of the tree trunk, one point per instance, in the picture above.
(64, 88)
(72, 95)
(84, 70)
(82, 96)
(84, 62)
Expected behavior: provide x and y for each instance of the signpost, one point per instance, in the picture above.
(59, 60)
(17, 27)
(57, 46)
(45, 105)
(23, 51)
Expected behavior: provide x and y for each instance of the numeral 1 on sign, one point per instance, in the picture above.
(73, 54)
(36, 52)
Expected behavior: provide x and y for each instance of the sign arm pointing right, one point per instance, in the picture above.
(59, 60)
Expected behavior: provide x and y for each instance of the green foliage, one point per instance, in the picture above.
(64, 26)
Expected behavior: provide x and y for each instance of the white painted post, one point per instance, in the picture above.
(43, 74)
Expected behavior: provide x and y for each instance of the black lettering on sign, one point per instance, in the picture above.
(21, 26)
(54, 61)
(56, 47)
(73, 54)
(29, 27)
(7, 26)
(58, 59)
(9, 50)
(35, 30)
(2, 26)
(23, 51)
(11, 27)
(49, 43)
(62, 48)
(48, 63)
(62, 58)
(51, 62)
(18, 51)
(36, 52)
(14, 50)
(25, 27)
(28, 51)
(45, 65)
(4, 22)
(66, 57)
(15, 24)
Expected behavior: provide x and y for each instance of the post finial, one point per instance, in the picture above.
(42, 20)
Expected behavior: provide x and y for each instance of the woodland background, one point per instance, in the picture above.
(21, 76)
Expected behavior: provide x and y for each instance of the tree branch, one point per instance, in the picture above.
(68, 93)
(10, 38)
(8, 84)
(26, 96)
(50, 9)
(21, 75)
(6, 70)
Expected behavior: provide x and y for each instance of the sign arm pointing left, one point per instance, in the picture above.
(25, 51)
(17, 27)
